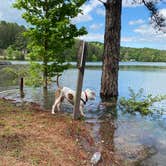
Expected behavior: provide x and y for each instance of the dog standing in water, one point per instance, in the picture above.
(69, 95)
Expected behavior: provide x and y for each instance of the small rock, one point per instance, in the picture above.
(95, 158)
(18, 104)
(77, 140)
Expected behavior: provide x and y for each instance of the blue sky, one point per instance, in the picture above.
(135, 32)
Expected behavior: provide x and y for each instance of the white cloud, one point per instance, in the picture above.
(136, 22)
(93, 37)
(96, 26)
(145, 29)
(95, 6)
(125, 3)
(149, 34)
(87, 8)
(100, 11)
(163, 12)
(82, 18)
(10, 14)
(100, 37)
(127, 39)
(129, 3)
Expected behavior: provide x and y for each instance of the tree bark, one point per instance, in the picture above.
(45, 75)
(45, 57)
(110, 67)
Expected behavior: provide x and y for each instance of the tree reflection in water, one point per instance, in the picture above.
(106, 133)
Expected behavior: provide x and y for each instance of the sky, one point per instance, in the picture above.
(136, 30)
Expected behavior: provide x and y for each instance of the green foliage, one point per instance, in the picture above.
(140, 103)
(12, 54)
(31, 74)
(142, 54)
(95, 52)
(16, 73)
(9, 53)
(94, 58)
(8, 33)
(18, 55)
(34, 75)
(12, 40)
(52, 31)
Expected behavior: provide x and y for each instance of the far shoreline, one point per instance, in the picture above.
(122, 64)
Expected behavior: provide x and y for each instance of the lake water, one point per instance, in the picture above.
(138, 140)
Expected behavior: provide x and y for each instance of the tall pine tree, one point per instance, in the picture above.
(111, 54)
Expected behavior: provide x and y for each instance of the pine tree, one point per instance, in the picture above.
(111, 54)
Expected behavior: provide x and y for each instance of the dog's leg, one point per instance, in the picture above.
(56, 105)
(59, 106)
(59, 103)
(81, 110)
(53, 108)
(58, 99)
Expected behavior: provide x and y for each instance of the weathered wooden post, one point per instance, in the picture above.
(21, 84)
(81, 65)
(22, 87)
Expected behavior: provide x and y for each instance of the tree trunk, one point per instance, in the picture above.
(110, 67)
(45, 57)
(45, 75)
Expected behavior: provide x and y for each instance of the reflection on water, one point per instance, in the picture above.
(137, 140)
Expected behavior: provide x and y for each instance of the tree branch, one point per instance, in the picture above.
(102, 2)
(157, 19)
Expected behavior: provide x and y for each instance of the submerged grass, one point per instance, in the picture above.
(138, 102)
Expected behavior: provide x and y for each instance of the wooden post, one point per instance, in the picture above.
(81, 66)
(22, 87)
(21, 84)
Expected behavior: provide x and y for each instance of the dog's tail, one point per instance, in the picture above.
(57, 80)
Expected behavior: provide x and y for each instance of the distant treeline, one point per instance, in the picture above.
(12, 42)
(95, 51)
(13, 45)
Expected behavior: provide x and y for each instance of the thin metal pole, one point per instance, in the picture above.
(81, 67)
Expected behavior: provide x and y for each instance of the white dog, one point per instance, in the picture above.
(69, 94)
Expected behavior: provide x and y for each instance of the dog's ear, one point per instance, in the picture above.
(70, 96)
(90, 91)
(87, 90)
(93, 93)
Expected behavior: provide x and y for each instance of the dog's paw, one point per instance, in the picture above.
(53, 112)
(82, 114)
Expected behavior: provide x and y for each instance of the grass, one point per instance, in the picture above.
(29, 136)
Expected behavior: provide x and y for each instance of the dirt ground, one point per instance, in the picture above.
(31, 136)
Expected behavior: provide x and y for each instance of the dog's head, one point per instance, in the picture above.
(90, 94)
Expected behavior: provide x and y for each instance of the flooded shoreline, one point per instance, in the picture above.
(135, 139)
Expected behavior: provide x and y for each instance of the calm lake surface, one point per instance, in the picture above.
(139, 140)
